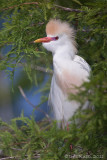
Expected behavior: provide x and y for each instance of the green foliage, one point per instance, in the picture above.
(45, 141)
(24, 22)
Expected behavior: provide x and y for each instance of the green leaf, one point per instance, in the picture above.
(78, 2)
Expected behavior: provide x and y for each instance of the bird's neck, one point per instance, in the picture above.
(66, 51)
(62, 56)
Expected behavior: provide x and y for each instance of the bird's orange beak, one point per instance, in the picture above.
(45, 39)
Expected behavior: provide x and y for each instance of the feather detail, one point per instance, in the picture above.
(57, 27)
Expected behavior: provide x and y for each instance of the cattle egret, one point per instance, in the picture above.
(70, 70)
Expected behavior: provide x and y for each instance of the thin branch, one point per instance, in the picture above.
(27, 3)
(38, 68)
(7, 158)
(26, 99)
(39, 23)
(68, 9)
(84, 30)
(60, 7)
(42, 69)
(16, 149)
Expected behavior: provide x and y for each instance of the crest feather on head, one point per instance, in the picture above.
(55, 27)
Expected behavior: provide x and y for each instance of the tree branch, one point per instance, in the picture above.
(7, 158)
(38, 68)
(42, 69)
(57, 6)
(26, 99)
(26, 3)
(17, 158)
(68, 9)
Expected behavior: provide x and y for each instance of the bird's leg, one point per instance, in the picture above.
(67, 127)
(63, 124)
(71, 147)
(67, 124)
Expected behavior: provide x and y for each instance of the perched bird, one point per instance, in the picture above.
(70, 70)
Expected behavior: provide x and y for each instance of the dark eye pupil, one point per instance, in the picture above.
(56, 38)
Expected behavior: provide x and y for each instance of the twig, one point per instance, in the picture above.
(39, 23)
(16, 149)
(42, 69)
(68, 9)
(38, 68)
(23, 94)
(11, 7)
(7, 158)
(61, 7)
(84, 30)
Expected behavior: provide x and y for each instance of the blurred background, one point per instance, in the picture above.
(12, 103)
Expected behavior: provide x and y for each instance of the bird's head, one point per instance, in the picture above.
(59, 34)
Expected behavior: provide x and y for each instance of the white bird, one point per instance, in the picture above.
(70, 70)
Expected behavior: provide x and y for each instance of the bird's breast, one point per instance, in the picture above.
(67, 78)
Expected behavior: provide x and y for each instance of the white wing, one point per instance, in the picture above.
(83, 64)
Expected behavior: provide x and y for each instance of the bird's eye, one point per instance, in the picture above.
(56, 38)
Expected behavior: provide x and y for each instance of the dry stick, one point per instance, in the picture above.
(11, 7)
(23, 94)
(60, 7)
(42, 69)
(68, 9)
(7, 158)
(38, 68)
